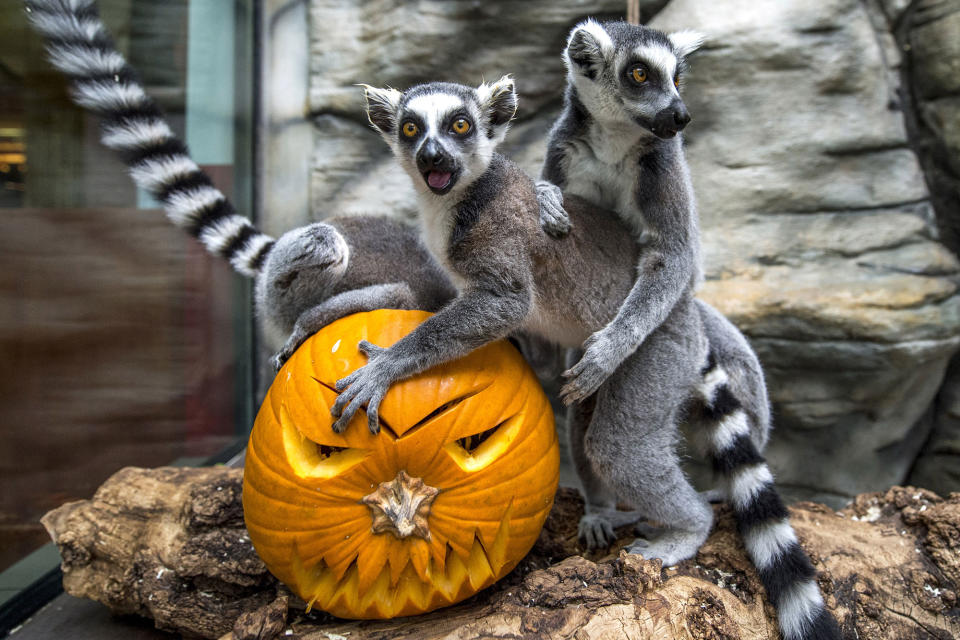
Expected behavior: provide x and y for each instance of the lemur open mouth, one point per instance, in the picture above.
(440, 182)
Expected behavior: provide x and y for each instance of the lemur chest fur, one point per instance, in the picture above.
(436, 223)
(604, 169)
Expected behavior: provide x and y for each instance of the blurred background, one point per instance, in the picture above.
(824, 147)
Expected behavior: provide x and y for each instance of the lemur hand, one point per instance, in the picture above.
(286, 351)
(601, 357)
(364, 387)
(553, 218)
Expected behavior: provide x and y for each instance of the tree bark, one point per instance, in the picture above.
(169, 544)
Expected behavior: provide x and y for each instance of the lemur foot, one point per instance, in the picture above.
(553, 218)
(596, 531)
(599, 360)
(364, 387)
(670, 545)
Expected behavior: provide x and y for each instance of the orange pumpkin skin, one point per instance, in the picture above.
(304, 485)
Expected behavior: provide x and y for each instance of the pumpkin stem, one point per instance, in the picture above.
(402, 506)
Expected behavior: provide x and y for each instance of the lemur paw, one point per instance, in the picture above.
(584, 378)
(553, 217)
(596, 532)
(671, 548)
(278, 360)
(669, 545)
(365, 387)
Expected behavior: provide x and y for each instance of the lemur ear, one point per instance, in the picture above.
(382, 107)
(686, 42)
(588, 47)
(498, 102)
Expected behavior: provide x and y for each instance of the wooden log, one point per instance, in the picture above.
(169, 544)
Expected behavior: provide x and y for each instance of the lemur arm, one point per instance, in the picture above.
(667, 268)
(494, 304)
(395, 295)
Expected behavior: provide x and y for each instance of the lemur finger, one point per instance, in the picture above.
(341, 424)
(343, 400)
(356, 399)
(373, 414)
(369, 349)
(609, 535)
(344, 383)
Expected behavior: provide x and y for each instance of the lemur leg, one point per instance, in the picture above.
(632, 437)
(395, 295)
(595, 529)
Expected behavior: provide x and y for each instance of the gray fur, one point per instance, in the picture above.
(617, 144)
(305, 279)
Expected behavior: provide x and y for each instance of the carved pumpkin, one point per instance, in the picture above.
(442, 503)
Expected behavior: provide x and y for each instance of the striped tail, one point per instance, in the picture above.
(103, 82)
(762, 519)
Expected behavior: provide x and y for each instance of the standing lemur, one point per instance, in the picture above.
(305, 279)
(617, 144)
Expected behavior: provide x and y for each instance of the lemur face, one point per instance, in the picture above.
(629, 74)
(443, 134)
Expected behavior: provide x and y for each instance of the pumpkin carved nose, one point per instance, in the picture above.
(402, 506)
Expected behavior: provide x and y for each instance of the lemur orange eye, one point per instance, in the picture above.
(676, 82)
(461, 126)
(639, 75)
(410, 129)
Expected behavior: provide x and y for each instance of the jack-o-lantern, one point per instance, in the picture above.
(442, 503)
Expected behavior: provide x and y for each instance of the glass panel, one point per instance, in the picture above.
(123, 342)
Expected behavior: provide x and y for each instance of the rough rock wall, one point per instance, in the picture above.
(928, 35)
(818, 227)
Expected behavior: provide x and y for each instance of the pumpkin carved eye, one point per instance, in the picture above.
(310, 459)
(479, 450)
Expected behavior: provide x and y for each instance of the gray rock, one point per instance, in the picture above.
(818, 230)
(930, 34)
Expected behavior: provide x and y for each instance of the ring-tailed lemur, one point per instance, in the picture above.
(305, 279)
(617, 144)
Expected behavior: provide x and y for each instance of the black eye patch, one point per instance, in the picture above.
(410, 116)
(451, 121)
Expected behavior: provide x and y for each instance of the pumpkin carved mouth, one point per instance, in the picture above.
(393, 588)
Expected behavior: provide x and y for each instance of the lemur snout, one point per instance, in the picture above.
(438, 168)
(671, 121)
(430, 155)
